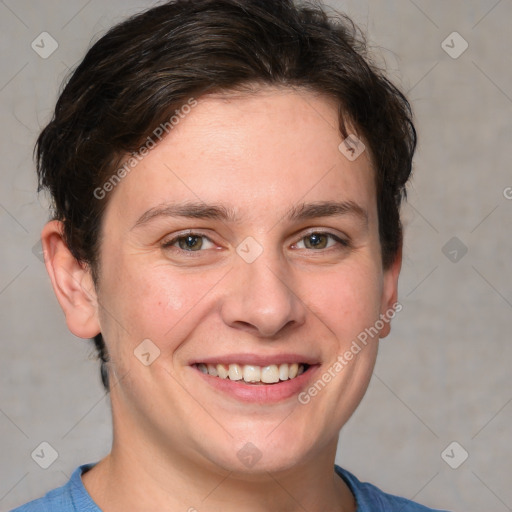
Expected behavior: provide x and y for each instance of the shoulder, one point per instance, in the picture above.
(370, 498)
(70, 497)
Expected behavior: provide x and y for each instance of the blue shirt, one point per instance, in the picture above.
(73, 497)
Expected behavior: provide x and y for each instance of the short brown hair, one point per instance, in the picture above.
(143, 69)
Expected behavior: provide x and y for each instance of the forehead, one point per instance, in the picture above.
(274, 146)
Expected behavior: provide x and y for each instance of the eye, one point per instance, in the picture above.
(320, 240)
(189, 242)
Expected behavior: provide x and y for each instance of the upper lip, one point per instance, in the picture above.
(256, 359)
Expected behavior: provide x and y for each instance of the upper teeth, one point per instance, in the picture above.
(251, 373)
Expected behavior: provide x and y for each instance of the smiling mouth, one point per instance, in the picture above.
(252, 374)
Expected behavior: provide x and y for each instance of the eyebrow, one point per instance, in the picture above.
(189, 210)
(306, 211)
(300, 212)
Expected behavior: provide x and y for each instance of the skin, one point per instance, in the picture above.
(176, 438)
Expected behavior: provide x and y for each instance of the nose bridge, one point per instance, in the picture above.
(261, 295)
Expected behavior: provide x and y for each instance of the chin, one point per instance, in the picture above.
(252, 459)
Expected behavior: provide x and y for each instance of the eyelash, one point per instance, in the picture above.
(341, 241)
(169, 244)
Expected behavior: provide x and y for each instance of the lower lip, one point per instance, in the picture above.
(261, 393)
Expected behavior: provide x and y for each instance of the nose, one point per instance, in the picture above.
(260, 297)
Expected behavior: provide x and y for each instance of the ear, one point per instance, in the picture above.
(389, 300)
(72, 283)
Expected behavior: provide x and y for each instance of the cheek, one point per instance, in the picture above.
(154, 302)
(346, 300)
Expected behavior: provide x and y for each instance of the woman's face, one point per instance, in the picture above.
(253, 276)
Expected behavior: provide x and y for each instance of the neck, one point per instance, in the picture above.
(140, 475)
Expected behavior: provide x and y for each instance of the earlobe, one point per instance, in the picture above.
(389, 299)
(72, 283)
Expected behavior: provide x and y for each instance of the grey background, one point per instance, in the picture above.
(444, 373)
